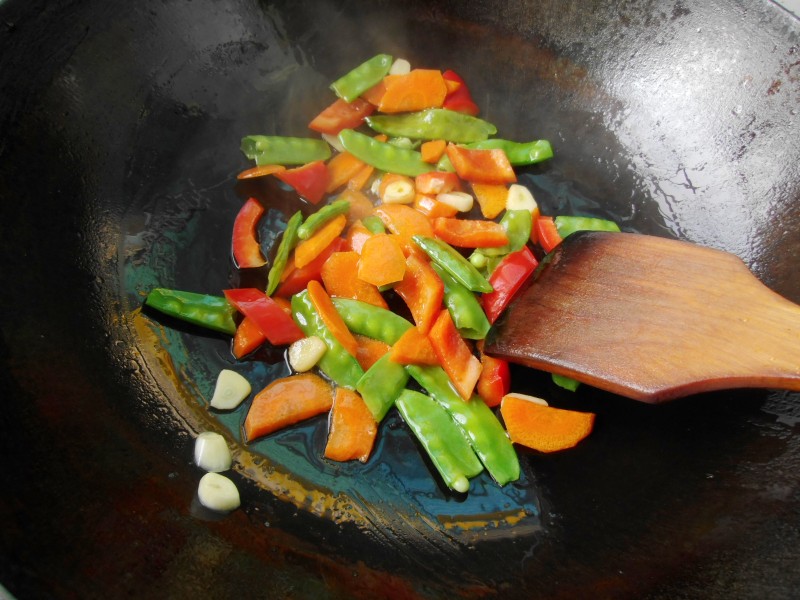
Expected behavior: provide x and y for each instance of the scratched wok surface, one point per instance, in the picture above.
(119, 131)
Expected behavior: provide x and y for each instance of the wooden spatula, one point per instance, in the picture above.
(652, 319)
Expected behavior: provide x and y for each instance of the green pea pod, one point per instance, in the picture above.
(374, 224)
(477, 422)
(433, 124)
(366, 75)
(445, 164)
(567, 225)
(517, 224)
(211, 312)
(289, 240)
(322, 216)
(382, 155)
(370, 320)
(337, 363)
(441, 438)
(466, 311)
(281, 150)
(518, 153)
(381, 385)
(404, 142)
(449, 259)
(568, 383)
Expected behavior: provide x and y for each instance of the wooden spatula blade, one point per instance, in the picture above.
(651, 319)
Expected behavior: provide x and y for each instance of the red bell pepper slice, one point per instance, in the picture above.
(470, 233)
(459, 100)
(341, 115)
(481, 166)
(547, 233)
(310, 181)
(436, 182)
(422, 290)
(267, 314)
(506, 279)
(246, 249)
(296, 279)
(455, 356)
(495, 379)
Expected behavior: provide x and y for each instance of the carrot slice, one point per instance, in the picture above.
(382, 260)
(287, 401)
(413, 348)
(360, 179)
(481, 166)
(341, 169)
(491, 198)
(308, 250)
(295, 279)
(432, 208)
(455, 356)
(356, 235)
(422, 290)
(369, 350)
(247, 338)
(544, 428)
(260, 171)
(432, 151)
(337, 276)
(333, 321)
(374, 94)
(404, 221)
(417, 90)
(352, 428)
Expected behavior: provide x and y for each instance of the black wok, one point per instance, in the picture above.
(119, 130)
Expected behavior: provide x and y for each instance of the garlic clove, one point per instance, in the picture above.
(211, 452)
(230, 391)
(217, 492)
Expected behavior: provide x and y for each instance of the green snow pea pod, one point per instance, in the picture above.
(466, 311)
(374, 224)
(381, 384)
(476, 420)
(366, 75)
(322, 216)
(337, 363)
(568, 383)
(567, 225)
(211, 312)
(518, 224)
(441, 438)
(433, 124)
(453, 262)
(289, 240)
(518, 153)
(282, 150)
(382, 155)
(370, 320)
(445, 164)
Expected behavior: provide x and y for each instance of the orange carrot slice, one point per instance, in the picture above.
(339, 280)
(355, 237)
(404, 221)
(369, 350)
(287, 401)
(374, 94)
(309, 249)
(352, 428)
(432, 151)
(333, 321)
(382, 260)
(544, 428)
(491, 198)
(360, 179)
(417, 90)
(260, 171)
(413, 348)
(360, 205)
(341, 168)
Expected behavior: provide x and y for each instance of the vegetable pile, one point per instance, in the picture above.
(383, 295)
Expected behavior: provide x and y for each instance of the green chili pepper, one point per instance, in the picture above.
(366, 75)
(453, 262)
(466, 311)
(441, 438)
(337, 363)
(382, 155)
(370, 320)
(567, 225)
(476, 420)
(518, 153)
(433, 124)
(381, 385)
(374, 224)
(322, 216)
(517, 224)
(211, 312)
(568, 383)
(288, 242)
(280, 150)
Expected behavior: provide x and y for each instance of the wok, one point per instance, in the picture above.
(119, 130)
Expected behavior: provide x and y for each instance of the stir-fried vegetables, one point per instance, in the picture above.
(384, 294)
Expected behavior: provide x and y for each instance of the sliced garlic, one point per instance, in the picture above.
(461, 201)
(520, 198)
(400, 66)
(333, 140)
(230, 391)
(306, 352)
(528, 398)
(211, 452)
(217, 492)
(398, 192)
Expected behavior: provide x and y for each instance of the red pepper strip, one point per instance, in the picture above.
(296, 279)
(247, 338)
(506, 279)
(481, 166)
(422, 290)
(341, 115)
(246, 249)
(459, 100)
(455, 356)
(436, 182)
(470, 233)
(267, 314)
(547, 233)
(495, 379)
(310, 181)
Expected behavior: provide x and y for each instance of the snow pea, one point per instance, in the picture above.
(322, 216)
(476, 420)
(370, 320)
(567, 225)
(381, 384)
(211, 312)
(366, 75)
(281, 150)
(449, 259)
(384, 156)
(441, 437)
(466, 311)
(518, 153)
(518, 224)
(433, 124)
(337, 363)
(374, 224)
(288, 242)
